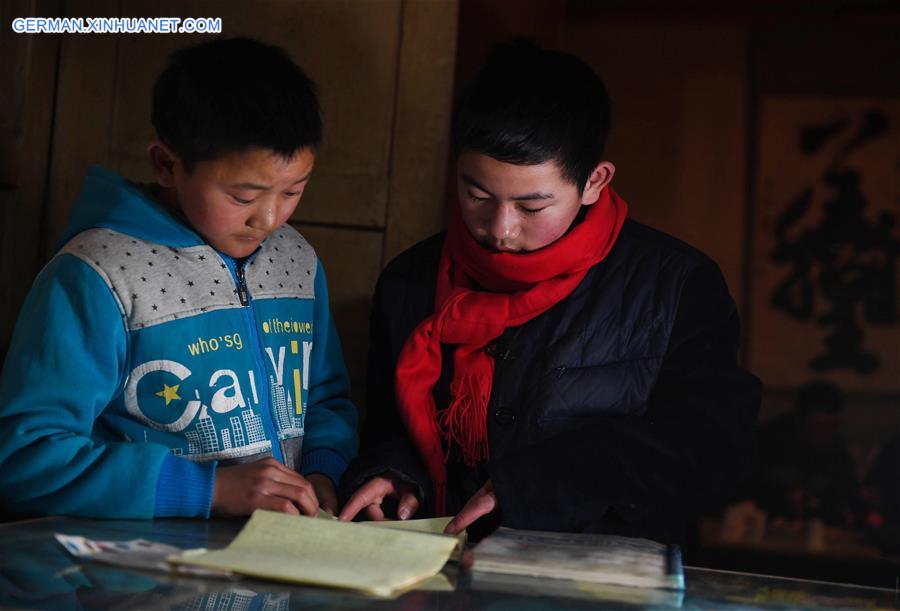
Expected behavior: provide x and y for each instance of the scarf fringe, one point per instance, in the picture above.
(464, 422)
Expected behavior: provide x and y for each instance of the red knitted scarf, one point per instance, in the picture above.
(479, 294)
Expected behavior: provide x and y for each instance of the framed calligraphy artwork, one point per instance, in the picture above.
(825, 270)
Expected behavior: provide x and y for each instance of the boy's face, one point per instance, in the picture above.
(520, 208)
(236, 201)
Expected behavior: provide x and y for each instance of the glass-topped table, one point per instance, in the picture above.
(37, 573)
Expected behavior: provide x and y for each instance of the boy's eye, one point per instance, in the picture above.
(476, 198)
(292, 194)
(532, 211)
(241, 201)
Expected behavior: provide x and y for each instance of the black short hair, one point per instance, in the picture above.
(231, 94)
(528, 105)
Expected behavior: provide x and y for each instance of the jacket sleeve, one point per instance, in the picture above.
(686, 452)
(66, 362)
(385, 446)
(331, 438)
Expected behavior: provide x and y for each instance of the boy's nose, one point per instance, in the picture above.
(503, 225)
(264, 218)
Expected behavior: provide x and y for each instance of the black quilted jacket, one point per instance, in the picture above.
(622, 409)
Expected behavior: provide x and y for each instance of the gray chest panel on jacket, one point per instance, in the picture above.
(154, 284)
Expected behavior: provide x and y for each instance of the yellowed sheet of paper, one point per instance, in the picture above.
(329, 553)
(434, 526)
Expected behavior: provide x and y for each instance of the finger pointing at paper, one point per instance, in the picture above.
(482, 503)
(371, 495)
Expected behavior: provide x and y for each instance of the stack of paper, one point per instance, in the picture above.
(586, 558)
(323, 552)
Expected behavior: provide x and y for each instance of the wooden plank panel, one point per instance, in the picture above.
(678, 138)
(422, 125)
(27, 112)
(83, 111)
(15, 49)
(352, 261)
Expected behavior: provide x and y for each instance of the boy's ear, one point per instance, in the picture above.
(163, 161)
(597, 181)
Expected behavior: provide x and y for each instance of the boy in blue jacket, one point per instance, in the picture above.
(177, 356)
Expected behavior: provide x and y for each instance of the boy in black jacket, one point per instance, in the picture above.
(547, 364)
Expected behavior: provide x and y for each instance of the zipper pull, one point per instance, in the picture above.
(242, 285)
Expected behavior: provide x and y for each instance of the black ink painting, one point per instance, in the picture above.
(830, 242)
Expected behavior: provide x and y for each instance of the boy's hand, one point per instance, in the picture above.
(263, 484)
(482, 503)
(372, 494)
(325, 492)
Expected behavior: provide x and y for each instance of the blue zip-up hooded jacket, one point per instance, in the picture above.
(143, 358)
